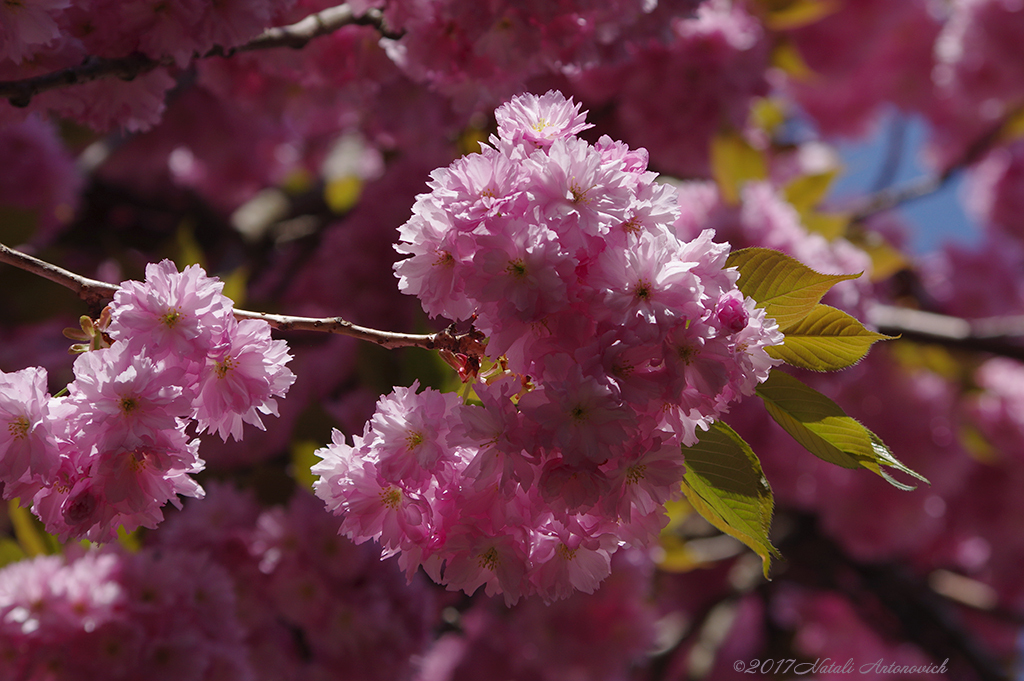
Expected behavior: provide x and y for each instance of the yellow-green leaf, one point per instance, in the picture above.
(786, 288)
(788, 59)
(10, 552)
(885, 260)
(734, 162)
(341, 193)
(807, 191)
(190, 252)
(1013, 127)
(800, 13)
(725, 484)
(303, 457)
(824, 429)
(768, 114)
(827, 339)
(236, 285)
(829, 225)
(30, 536)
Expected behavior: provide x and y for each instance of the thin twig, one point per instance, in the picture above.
(893, 154)
(297, 35)
(92, 291)
(97, 293)
(893, 197)
(1003, 336)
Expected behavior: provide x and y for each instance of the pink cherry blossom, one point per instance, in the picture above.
(242, 377)
(29, 456)
(181, 314)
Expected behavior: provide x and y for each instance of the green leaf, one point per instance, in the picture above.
(734, 162)
(786, 288)
(10, 551)
(829, 225)
(799, 13)
(724, 483)
(824, 429)
(825, 340)
(807, 191)
(26, 530)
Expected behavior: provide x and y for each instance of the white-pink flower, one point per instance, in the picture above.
(28, 451)
(171, 313)
(540, 120)
(242, 377)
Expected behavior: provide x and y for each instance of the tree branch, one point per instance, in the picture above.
(1002, 336)
(893, 197)
(297, 35)
(97, 293)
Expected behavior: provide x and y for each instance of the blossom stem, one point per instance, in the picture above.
(297, 35)
(97, 293)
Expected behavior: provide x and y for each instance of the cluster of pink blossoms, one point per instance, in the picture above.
(616, 340)
(116, 448)
(117, 616)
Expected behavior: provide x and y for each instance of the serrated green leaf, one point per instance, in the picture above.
(887, 458)
(827, 339)
(734, 162)
(786, 288)
(725, 484)
(823, 428)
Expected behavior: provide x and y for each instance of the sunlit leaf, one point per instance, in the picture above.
(725, 484)
(129, 540)
(341, 193)
(824, 429)
(10, 552)
(800, 13)
(733, 163)
(827, 339)
(829, 225)
(236, 285)
(807, 191)
(786, 288)
(303, 458)
(768, 114)
(885, 260)
(30, 536)
(190, 252)
(788, 59)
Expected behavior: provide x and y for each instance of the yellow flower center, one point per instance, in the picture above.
(489, 559)
(635, 474)
(390, 497)
(517, 268)
(171, 318)
(18, 428)
(642, 289)
(225, 365)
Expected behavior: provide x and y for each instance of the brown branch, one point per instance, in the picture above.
(893, 197)
(92, 291)
(1002, 336)
(97, 293)
(297, 35)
